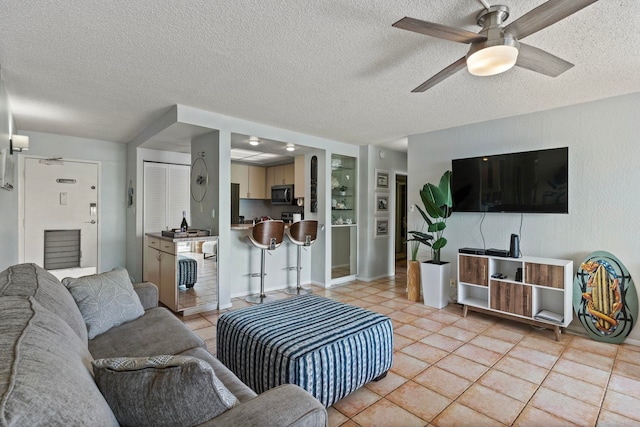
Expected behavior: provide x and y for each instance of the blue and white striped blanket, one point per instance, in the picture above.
(326, 347)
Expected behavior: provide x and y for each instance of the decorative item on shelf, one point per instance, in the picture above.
(334, 183)
(334, 203)
(413, 273)
(438, 203)
(343, 190)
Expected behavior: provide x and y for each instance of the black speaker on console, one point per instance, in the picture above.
(514, 249)
(519, 275)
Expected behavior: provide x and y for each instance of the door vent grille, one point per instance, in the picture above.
(61, 249)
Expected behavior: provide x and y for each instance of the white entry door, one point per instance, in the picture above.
(61, 216)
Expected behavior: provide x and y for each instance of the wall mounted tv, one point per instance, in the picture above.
(528, 182)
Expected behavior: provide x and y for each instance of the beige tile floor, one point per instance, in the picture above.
(477, 371)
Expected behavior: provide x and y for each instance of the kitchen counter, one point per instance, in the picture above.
(245, 259)
(250, 226)
(183, 239)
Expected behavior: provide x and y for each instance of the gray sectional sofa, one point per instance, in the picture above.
(47, 364)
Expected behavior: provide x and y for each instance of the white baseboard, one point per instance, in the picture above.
(372, 279)
(270, 289)
(576, 328)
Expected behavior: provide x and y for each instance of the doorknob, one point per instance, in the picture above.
(93, 221)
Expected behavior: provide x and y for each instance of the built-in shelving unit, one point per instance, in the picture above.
(529, 289)
(344, 191)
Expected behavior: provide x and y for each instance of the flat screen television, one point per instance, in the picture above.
(527, 182)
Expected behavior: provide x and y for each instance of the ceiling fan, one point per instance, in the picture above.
(497, 48)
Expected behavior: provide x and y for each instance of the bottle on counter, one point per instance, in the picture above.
(183, 225)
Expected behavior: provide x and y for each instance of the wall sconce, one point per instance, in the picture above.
(18, 143)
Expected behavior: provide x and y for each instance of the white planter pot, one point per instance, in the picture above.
(435, 283)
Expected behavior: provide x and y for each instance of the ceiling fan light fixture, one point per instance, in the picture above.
(483, 60)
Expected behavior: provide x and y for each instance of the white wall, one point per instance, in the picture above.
(8, 199)
(377, 256)
(201, 213)
(134, 166)
(604, 152)
(112, 203)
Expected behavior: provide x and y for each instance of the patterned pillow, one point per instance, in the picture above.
(105, 300)
(162, 390)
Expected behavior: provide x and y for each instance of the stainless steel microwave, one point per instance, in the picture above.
(282, 195)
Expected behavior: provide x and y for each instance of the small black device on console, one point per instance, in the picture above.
(514, 248)
(519, 275)
(474, 251)
(498, 252)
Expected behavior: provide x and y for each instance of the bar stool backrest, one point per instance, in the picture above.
(304, 233)
(268, 234)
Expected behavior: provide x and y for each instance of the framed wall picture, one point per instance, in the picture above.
(382, 227)
(382, 179)
(382, 203)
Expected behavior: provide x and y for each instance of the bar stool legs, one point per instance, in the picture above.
(262, 297)
(301, 233)
(298, 290)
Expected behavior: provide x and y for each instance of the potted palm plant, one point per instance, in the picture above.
(438, 204)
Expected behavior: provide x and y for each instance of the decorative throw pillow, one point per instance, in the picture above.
(105, 300)
(162, 390)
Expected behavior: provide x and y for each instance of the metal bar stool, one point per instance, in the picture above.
(301, 233)
(266, 236)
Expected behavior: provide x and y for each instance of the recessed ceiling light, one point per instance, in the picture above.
(291, 147)
(254, 140)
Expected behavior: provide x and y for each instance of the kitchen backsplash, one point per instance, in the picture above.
(257, 208)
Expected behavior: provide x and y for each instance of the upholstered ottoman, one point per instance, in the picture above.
(187, 271)
(326, 347)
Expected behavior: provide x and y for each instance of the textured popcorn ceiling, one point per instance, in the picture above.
(330, 68)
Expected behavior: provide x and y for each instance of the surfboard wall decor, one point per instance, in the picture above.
(605, 298)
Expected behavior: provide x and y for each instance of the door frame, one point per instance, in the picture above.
(22, 158)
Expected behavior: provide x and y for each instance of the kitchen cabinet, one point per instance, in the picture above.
(298, 177)
(160, 269)
(531, 290)
(251, 180)
(257, 175)
(280, 175)
(162, 259)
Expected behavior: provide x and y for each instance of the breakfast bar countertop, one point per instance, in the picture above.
(250, 226)
(182, 239)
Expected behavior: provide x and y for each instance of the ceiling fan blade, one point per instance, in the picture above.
(544, 15)
(447, 72)
(540, 61)
(438, 30)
